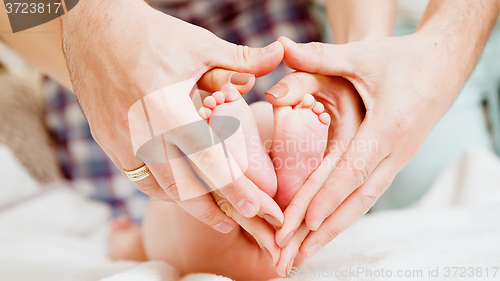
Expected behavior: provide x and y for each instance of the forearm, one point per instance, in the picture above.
(459, 30)
(356, 20)
(41, 46)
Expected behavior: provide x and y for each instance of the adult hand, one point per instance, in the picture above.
(258, 228)
(119, 52)
(406, 84)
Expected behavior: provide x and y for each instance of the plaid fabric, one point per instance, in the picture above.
(254, 23)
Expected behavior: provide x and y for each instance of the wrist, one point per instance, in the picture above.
(93, 15)
(454, 55)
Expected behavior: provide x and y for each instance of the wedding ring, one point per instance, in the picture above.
(138, 174)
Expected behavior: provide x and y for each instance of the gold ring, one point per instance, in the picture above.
(138, 174)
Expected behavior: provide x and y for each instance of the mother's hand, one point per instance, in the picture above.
(404, 93)
(118, 52)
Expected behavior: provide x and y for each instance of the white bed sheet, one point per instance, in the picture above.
(59, 235)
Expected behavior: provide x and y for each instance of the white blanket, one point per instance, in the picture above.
(59, 235)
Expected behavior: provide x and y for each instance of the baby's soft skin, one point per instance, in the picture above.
(172, 235)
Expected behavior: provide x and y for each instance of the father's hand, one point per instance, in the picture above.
(120, 51)
(406, 84)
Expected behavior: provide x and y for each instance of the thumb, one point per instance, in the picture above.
(257, 61)
(320, 58)
(213, 80)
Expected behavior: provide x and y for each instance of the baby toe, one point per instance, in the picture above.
(205, 112)
(219, 97)
(325, 118)
(231, 94)
(210, 102)
(307, 101)
(318, 108)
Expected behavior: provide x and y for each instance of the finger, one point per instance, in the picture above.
(243, 195)
(295, 212)
(356, 205)
(292, 88)
(214, 165)
(180, 183)
(367, 149)
(149, 185)
(261, 231)
(257, 61)
(270, 210)
(289, 254)
(214, 79)
(240, 192)
(163, 185)
(321, 58)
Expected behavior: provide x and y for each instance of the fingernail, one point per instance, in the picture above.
(281, 273)
(289, 266)
(312, 250)
(270, 48)
(278, 91)
(224, 227)
(246, 208)
(269, 257)
(287, 239)
(272, 220)
(241, 78)
(318, 223)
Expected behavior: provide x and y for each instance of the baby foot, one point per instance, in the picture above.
(125, 240)
(260, 170)
(299, 143)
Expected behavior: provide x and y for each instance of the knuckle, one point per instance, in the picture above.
(332, 233)
(359, 170)
(208, 159)
(242, 53)
(300, 79)
(333, 194)
(367, 200)
(334, 197)
(295, 214)
(225, 207)
(212, 78)
(256, 235)
(170, 186)
(294, 207)
(208, 216)
(336, 200)
(246, 53)
(316, 47)
(359, 175)
(147, 187)
(229, 191)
